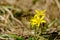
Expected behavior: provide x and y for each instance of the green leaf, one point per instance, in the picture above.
(31, 38)
(52, 23)
(16, 37)
(12, 36)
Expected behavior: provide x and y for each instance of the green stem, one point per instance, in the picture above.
(35, 32)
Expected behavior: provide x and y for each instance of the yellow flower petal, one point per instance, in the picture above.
(38, 18)
(42, 17)
(43, 21)
(40, 12)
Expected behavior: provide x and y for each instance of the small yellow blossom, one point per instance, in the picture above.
(38, 18)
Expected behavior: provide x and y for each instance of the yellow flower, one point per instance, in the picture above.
(38, 18)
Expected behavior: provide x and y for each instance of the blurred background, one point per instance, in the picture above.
(15, 15)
